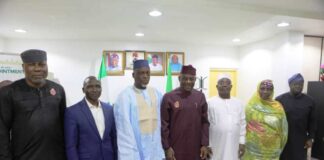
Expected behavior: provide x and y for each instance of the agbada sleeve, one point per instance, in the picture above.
(242, 125)
(6, 115)
(165, 122)
(126, 141)
(62, 107)
(205, 123)
(312, 122)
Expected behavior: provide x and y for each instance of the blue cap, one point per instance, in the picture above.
(141, 63)
(296, 78)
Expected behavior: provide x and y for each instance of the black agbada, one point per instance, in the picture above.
(35, 119)
(300, 112)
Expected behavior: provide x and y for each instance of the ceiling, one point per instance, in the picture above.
(183, 21)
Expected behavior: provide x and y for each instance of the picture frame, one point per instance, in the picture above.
(156, 62)
(131, 56)
(115, 62)
(176, 60)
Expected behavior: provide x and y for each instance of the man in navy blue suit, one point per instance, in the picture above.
(90, 131)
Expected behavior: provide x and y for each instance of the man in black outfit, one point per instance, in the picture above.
(300, 112)
(32, 113)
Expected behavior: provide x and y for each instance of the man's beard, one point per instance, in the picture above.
(144, 85)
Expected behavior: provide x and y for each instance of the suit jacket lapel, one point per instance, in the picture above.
(86, 110)
(107, 122)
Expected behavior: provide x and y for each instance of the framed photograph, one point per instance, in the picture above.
(176, 60)
(115, 62)
(157, 62)
(131, 56)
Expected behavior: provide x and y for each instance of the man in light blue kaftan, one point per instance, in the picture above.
(137, 117)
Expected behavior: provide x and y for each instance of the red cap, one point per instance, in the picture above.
(189, 69)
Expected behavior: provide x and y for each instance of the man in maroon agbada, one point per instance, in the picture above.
(185, 125)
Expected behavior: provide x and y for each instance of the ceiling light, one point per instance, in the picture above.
(20, 31)
(236, 40)
(155, 13)
(283, 24)
(139, 34)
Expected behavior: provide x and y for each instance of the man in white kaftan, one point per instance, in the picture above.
(227, 123)
(137, 118)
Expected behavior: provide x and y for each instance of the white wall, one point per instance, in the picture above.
(72, 61)
(2, 41)
(206, 58)
(276, 58)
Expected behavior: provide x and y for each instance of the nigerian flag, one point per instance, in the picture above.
(102, 70)
(168, 87)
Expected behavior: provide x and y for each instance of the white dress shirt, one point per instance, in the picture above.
(98, 116)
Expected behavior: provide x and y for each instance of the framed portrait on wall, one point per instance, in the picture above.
(176, 60)
(115, 62)
(156, 62)
(131, 56)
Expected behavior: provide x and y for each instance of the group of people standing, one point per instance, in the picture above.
(266, 128)
(144, 125)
